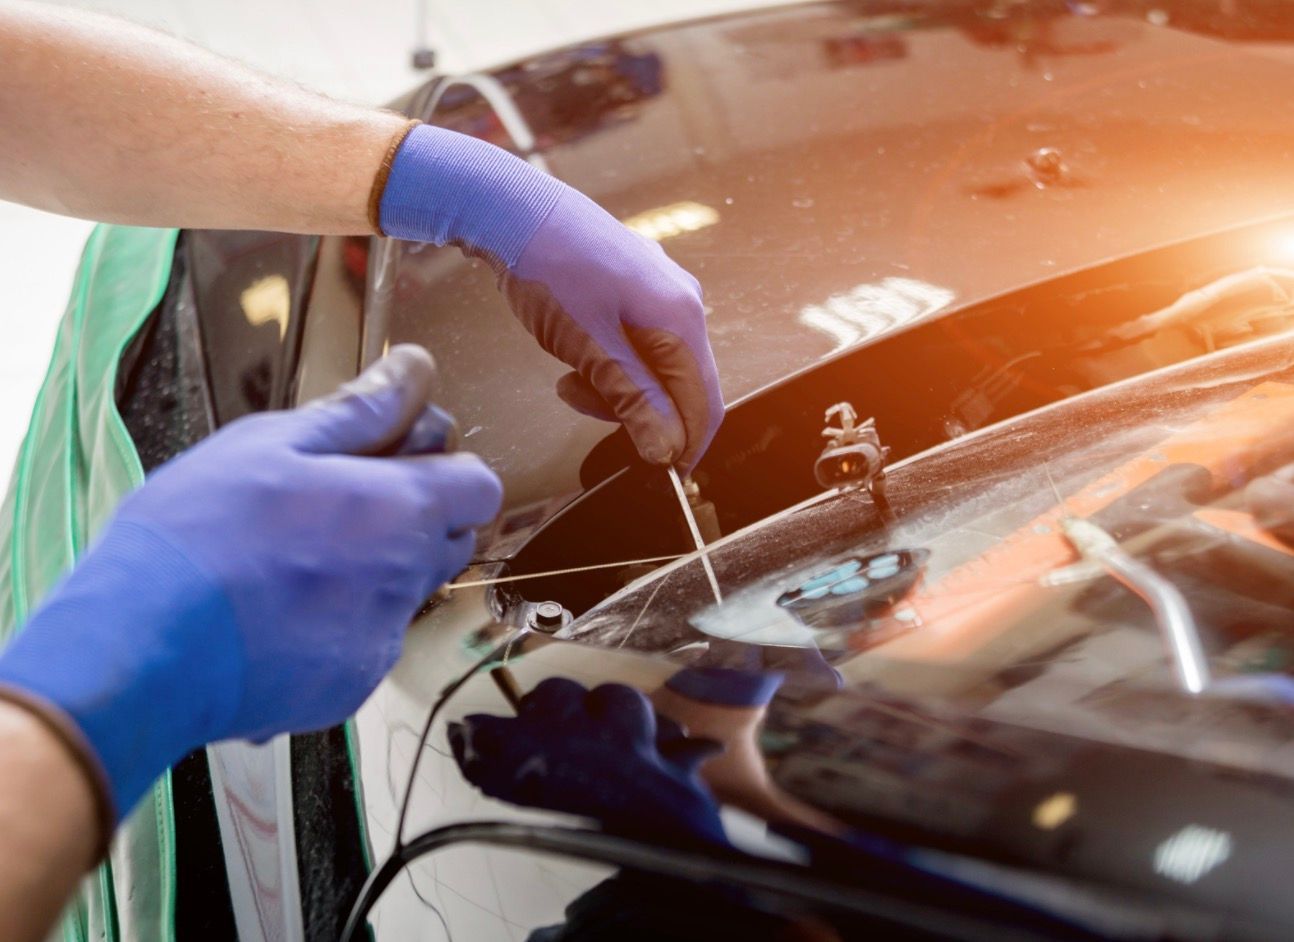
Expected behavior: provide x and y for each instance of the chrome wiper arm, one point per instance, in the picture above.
(1172, 614)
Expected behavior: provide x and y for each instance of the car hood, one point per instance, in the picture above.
(835, 172)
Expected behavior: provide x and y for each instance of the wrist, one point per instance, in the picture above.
(47, 819)
(445, 187)
(133, 646)
(58, 744)
(383, 174)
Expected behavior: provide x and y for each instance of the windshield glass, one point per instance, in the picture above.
(966, 678)
(976, 598)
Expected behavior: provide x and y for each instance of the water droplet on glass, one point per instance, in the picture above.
(1157, 17)
(727, 201)
(803, 202)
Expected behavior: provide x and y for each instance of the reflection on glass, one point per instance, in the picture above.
(267, 301)
(872, 308)
(1191, 853)
(1052, 812)
(665, 222)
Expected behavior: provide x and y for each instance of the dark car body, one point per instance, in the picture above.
(980, 223)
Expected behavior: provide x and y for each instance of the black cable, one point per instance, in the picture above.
(358, 912)
(499, 652)
(700, 864)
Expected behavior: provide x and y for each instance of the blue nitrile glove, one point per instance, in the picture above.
(595, 294)
(726, 686)
(603, 754)
(259, 583)
(801, 672)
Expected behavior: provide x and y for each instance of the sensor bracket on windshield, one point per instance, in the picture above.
(854, 457)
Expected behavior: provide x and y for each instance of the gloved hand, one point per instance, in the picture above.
(259, 583)
(603, 754)
(595, 294)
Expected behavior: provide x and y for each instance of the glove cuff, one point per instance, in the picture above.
(383, 174)
(724, 686)
(133, 646)
(447, 187)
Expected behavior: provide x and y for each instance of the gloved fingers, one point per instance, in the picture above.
(452, 557)
(689, 375)
(371, 413)
(475, 739)
(499, 759)
(555, 700)
(433, 432)
(575, 391)
(462, 492)
(579, 331)
(460, 744)
(623, 712)
(641, 404)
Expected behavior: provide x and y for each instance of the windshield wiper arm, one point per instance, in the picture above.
(1172, 614)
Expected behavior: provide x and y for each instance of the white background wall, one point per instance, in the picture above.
(348, 49)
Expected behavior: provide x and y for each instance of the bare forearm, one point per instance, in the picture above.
(48, 826)
(110, 121)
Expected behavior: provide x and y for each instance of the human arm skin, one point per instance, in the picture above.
(110, 121)
(49, 828)
(116, 123)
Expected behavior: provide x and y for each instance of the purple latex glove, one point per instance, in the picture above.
(595, 294)
(259, 583)
(601, 753)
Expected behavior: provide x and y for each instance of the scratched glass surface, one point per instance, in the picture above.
(1020, 701)
(1026, 710)
(1002, 603)
(1033, 730)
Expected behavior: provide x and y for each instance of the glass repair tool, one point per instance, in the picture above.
(695, 531)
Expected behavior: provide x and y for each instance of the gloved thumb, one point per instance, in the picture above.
(372, 413)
